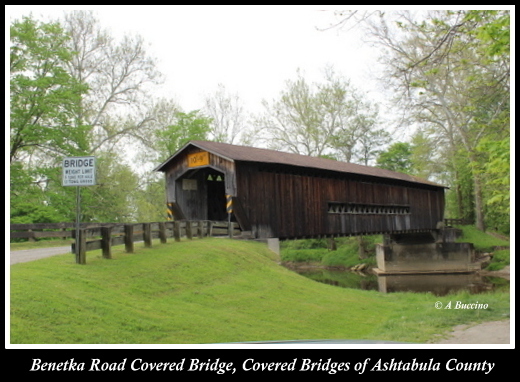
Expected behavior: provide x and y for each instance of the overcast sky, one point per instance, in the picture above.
(251, 50)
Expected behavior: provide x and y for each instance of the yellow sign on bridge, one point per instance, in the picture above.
(198, 159)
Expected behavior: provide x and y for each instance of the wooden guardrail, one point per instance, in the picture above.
(104, 236)
(451, 222)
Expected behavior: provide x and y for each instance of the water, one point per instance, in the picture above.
(439, 285)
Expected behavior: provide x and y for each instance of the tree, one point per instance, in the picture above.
(186, 126)
(397, 158)
(451, 72)
(497, 175)
(43, 101)
(366, 138)
(227, 116)
(118, 74)
(319, 119)
(44, 96)
(75, 91)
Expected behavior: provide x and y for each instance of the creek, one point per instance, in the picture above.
(437, 284)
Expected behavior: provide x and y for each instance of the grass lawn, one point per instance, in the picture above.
(213, 291)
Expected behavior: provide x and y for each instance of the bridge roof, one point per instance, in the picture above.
(253, 154)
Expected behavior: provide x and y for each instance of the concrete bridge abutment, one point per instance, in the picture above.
(425, 252)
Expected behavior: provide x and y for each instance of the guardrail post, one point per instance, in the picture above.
(230, 229)
(162, 232)
(189, 232)
(177, 230)
(147, 235)
(200, 229)
(106, 242)
(129, 238)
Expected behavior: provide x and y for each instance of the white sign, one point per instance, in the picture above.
(79, 171)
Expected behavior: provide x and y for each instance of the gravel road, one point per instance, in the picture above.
(25, 255)
(493, 332)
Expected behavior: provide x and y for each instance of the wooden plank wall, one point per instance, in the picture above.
(286, 204)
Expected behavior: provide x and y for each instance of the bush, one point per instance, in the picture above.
(303, 255)
(316, 250)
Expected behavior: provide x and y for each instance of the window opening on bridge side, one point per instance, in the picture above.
(365, 209)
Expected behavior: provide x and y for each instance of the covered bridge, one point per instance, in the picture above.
(284, 195)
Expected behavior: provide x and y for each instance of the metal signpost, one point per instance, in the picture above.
(79, 171)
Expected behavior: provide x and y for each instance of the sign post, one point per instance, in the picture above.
(79, 171)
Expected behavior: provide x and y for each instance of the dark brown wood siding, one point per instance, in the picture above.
(286, 202)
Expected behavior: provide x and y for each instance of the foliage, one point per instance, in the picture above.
(43, 95)
(500, 260)
(75, 91)
(494, 31)
(487, 243)
(150, 203)
(120, 75)
(303, 255)
(396, 158)
(188, 126)
(26, 213)
(347, 253)
(227, 116)
(450, 74)
(497, 173)
(321, 119)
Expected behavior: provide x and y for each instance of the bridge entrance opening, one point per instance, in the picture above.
(202, 193)
(216, 191)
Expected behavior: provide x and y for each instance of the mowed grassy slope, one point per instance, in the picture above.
(211, 291)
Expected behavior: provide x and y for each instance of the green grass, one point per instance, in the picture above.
(42, 243)
(500, 260)
(212, 291)
(482, 241)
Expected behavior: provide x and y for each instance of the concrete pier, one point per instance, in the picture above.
(431, 253)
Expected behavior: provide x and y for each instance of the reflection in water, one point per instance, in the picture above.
(440, 285)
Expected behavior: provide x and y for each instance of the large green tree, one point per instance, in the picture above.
(76, 91)
(43, 102)
(44, 96)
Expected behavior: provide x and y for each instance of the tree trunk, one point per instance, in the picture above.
(479, 203)
(477, 190)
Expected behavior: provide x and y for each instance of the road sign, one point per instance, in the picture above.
(198, 159)
(79, 171)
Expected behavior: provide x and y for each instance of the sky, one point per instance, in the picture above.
(251, 50)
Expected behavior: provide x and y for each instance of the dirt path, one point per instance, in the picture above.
(493, 332)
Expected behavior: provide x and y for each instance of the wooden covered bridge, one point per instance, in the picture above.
(287, 196)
